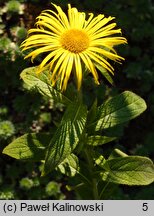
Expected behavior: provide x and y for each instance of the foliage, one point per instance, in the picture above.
(24, 110)
(72, 133)
(6, 129)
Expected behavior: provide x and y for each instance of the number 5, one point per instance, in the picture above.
(145, 207)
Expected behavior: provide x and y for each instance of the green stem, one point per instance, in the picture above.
(88, 153)
(95, 189)
(103, 190)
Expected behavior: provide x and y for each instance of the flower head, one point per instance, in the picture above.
(72, 41)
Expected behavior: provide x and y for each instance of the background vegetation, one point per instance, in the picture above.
(22, 111)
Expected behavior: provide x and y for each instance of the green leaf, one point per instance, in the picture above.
(66, 137)
(29, 146)
(42, 83)
(99, 140)
(118, 110)
(129, 170)
(105, 73)
(117, 153)
(70, 166)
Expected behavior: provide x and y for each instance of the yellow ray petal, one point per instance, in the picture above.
(70, 40)
(60, 57)
(100, 60)
(49, 57)
(68, 69)
(50, 21)
(89, 65)
(78, 70)
(61, 15)
(38, 51)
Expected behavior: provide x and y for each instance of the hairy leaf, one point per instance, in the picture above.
(29, 146)
(118, 110)
(129, 170)
(42, 83)
(70, 166)
(66, 137)
(99, 140)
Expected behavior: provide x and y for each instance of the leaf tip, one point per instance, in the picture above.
(4, 150)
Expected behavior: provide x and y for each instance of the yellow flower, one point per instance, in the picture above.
(71, 42)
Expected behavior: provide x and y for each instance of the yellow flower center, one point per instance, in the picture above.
(75, 40)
